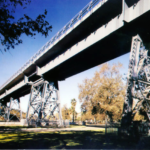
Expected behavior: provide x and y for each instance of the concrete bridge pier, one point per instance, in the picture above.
(44, 104)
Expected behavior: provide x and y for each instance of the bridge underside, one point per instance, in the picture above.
(112, 46)
(78, 33)
(116, 41)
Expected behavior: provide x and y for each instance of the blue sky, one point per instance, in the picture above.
(60, 12)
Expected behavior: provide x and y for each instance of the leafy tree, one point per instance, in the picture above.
(13, 112)
(103, 93)
(141, 114)
(65, 113)
(73, 106)
(11, 29)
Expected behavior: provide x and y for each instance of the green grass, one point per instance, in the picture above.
(12, 127)
(66, 140)
(44, 139)
(77, 126)
(19, 127)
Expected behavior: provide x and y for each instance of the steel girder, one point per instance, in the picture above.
(44, 104)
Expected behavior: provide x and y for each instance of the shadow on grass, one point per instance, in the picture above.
(102, 125)
(69, 140)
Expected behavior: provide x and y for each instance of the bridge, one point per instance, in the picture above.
(101, 31)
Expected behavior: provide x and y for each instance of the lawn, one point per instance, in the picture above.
(77, 126)
(68, 140)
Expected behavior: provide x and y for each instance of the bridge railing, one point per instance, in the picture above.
(45, 48)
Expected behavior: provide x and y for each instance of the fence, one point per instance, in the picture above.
(111, 129)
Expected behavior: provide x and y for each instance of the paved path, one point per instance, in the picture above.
(53, 129)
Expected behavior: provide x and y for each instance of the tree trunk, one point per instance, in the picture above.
(73, 117)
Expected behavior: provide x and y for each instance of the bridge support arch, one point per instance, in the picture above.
(44, 104)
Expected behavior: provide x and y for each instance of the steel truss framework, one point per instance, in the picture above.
(11, 112)
(138, 82)
(44, 104)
